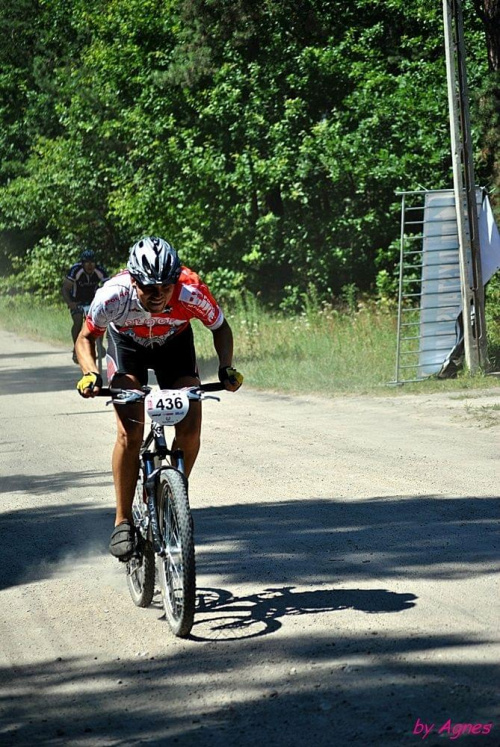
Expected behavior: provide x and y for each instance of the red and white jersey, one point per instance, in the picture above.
(116, 304)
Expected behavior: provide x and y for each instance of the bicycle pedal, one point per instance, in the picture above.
(135, 555)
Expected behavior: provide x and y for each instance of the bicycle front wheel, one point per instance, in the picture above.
(176, 570)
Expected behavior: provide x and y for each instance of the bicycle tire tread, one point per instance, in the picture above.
(144, 596)
(175, 484)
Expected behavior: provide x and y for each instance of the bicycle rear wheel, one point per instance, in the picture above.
(176, 570)
(141, 574)
(141, 566)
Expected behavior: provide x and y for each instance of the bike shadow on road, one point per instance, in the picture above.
(222, 616)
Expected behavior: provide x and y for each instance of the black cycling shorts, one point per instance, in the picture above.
(171, 361)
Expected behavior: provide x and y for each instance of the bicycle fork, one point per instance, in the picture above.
(151, 484)
(152, 479)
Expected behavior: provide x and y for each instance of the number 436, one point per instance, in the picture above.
(167, 403)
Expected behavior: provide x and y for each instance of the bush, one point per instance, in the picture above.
(41, 272)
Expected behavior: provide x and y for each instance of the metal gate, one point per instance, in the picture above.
(429, 303)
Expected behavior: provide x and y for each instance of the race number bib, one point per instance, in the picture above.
(167, 406)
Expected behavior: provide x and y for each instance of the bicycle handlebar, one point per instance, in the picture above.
(212, 386)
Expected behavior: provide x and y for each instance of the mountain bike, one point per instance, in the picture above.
(164, 536)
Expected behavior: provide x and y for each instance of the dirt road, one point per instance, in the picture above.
(347, 573)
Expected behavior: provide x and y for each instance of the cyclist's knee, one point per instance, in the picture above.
(189, 433)
(130, 438)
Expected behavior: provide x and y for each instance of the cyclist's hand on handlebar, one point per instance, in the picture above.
(89, 384)
(230, 377)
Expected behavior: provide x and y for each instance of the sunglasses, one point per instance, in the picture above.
(149, 289)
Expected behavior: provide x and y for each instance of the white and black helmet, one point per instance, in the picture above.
(153, 261)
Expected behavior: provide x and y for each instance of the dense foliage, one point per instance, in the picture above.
(265, 140)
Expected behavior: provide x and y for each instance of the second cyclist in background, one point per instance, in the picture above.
(79, 288)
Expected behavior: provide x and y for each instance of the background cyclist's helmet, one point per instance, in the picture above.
(153, 261)
(87, 256)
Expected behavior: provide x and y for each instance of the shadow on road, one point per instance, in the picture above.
(373, 685)
(221, 616)
(177, 699)
(25, 381)
(34, 354)
(283, 544)
(50, 484)
(36, 539)
(311, 541)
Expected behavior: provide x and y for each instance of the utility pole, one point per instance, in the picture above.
(465, 189)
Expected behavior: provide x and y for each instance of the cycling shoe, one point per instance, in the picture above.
(122, 542)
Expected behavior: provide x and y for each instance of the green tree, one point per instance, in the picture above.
(266, 140)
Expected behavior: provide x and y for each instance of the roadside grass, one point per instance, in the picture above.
(319, 352)
(314, 352)
(31, 319)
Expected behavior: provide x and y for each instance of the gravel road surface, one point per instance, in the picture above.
(347, 573)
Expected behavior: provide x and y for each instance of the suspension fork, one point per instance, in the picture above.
(151, 484)
(152, 478)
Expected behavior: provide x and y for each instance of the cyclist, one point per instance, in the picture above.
(79, 287)
(147, 310)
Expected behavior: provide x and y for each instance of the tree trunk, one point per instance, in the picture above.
(489, 12)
